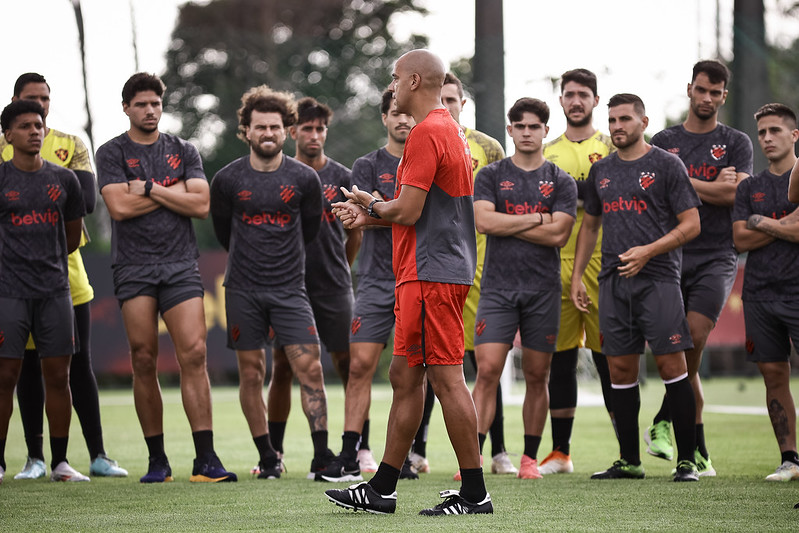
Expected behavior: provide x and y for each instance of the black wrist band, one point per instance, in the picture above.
(148, 186)
(370, 209)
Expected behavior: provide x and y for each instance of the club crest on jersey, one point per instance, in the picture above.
(386, 178)
(475, 164)
(330, 192)
(54, 192)
(506, 185)
(646, 180)
(718, 151)
(62, 154)
(546, 188)
(603, 183)
(286, 193)
(173, 160)
(593, 158)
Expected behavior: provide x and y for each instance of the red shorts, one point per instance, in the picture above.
(429, 325)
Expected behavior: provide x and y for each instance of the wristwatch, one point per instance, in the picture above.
(370, 210)
(148, 186)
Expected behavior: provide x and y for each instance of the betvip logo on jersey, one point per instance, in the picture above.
(717, 151)
(646, 180)
(546, 188)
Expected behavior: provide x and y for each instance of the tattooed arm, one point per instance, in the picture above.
(786, 228)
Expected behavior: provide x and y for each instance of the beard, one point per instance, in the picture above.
(585, 121)
(627, 140)
(263, 152)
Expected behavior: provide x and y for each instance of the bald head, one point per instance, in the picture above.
(416, 82)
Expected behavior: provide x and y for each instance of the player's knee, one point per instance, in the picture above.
(192, 357)
(143, 360)
(310, 373)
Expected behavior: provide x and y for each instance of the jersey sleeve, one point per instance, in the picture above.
(741, 209)
(221, 209)
(74, 207)
(80, 159)
(192, 162)
(484, 185)
(311, 207)
(592, 203)
(566, 195)
(420, 160)
(110, 165)
(363, 175)
(741, 155)
(682, 195)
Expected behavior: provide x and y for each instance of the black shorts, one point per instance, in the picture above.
(770, 328)
(373, 317)
(169, 283)
(51, 321)
(333, 313)
(634, 311)
(250, 314)
(536, 314)
(707, 281)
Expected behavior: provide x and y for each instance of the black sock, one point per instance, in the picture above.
(155, 445)
(497, 429)
(700, 440)
(3, 453)
(531, 444)
(561, 434)
(626, 404)
(420, 441)
(385, 479)
(601, 363)
(319, 439)
(481, 440)
(276, 432)
(266, 453)
(58, 450)
(349, 444)
(85, 397)
(35, 447)
(682, 407)
(663, 414)
(791, 456)
(473, 487)
(203, 442)
(365, 436)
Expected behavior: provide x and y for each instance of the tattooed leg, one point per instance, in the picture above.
(781, 409)
(304, 360)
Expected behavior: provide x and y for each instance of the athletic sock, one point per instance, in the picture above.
(155, 445)
(83, 384)
(663, 414)
(420, 440)
(481, 440)
(203, 442)
(266, 453)
(626, 404)
(319, 439)
(473, 487)
(35, 447)
(276, 432)
(531, 444)
(349, 444)
(364, 445)
(700, 440)
(791, 456)
(601, 363)
(682, 407)
(561, 434)
(497, 429)
(58, 450)
(3, 453)
(385, 479)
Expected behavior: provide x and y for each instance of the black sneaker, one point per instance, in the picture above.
(270, 469)
(686, 471)
(158, 471)
(408, 471)
(454, 504)
(209, 469)
(341, 468)
(621, 469)
(318, 464)
(362, 497)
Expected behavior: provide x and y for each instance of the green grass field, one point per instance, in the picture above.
(742, 447)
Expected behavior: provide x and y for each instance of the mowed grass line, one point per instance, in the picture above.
(742, 447)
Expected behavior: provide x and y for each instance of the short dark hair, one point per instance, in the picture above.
(627, 98)
(579, 75)
(385, 101)
(140, 82)
(716, 71)
(450, 78)
(308, 110)
(266, 100)
(17, 108)
(529, 105)
(25, 79)
(780, 110)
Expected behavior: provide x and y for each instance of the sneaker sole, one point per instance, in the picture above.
(342, 479)
(206, 479)
(167, 479)
(354, 508)
(650, 451)
(68, 478)
(99, 474)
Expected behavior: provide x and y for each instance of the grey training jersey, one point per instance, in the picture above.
(33, 243)
(326, 268)
(639, 202)
(161, 236)
(376, 171)
(258, 218)
(704, 156)
(770, 272)
(511, 263)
